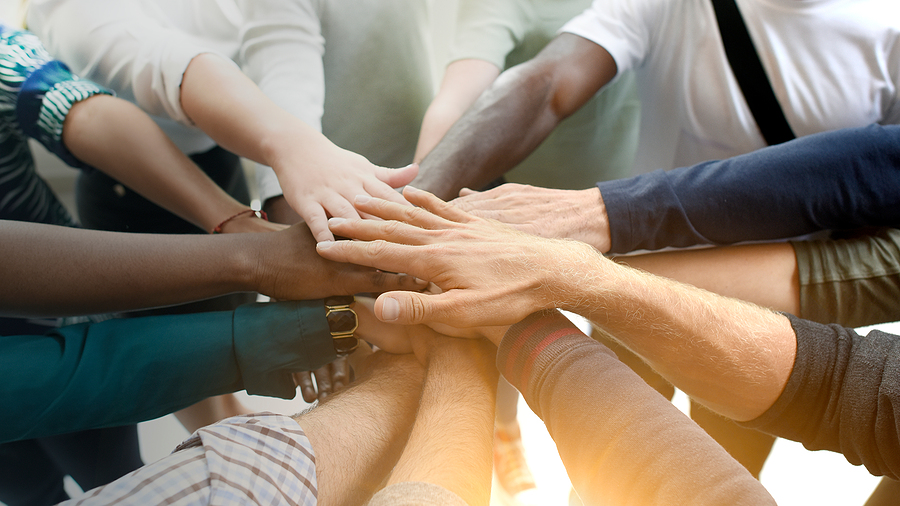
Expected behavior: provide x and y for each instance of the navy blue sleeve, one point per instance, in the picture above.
(840, 180)
(843, 395)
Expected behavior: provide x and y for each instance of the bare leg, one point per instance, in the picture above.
(358, 433)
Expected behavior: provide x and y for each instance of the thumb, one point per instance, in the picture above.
(409, 308)
(395, 178)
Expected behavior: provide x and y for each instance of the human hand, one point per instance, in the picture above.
(330, 379)
(398, 339)
(551, 213)
(490, 274)
(286, 267)
(322, 184)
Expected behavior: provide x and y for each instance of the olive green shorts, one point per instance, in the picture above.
(853, 282)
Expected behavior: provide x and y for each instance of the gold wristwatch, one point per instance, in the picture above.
(342, 322)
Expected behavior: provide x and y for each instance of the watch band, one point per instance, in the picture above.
(342, 323)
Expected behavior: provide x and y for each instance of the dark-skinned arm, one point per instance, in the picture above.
(515, 115)
(58, 271)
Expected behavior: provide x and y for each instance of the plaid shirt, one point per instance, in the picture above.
(262, 458)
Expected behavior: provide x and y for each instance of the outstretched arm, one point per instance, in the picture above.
(838, 180)
(63, 271)
(515, 115)
(359, 433)
(732, 356)
(463, 83)
(451, 441)
(318, 178)
(621, 442)
(119, 139)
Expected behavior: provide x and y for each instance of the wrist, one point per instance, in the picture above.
(594, 222)
(580, 267)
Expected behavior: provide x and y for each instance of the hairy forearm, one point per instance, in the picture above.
(450, 444)
(117, 138)
(358, 434)
(61, 271)
(732, 356)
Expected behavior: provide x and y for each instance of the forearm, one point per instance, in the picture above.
(463, 82)
(843, 179)
(63, 271)
(117, 138)
(451, 440)
(504, 125)
(732, 356)
(842, 396)
(621, 442)
(239, 116)
(358, 434)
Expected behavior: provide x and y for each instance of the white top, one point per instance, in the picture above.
(377, 69)
(832, 64)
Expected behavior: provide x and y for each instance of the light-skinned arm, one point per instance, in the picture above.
(119, 139)
(61, 271)
(515, 115)
(463, 82)
(731, 356)
(318, 177)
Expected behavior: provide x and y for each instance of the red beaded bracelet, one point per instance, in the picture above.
(259, 214)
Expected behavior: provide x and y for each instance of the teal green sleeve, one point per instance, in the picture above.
(126, 371)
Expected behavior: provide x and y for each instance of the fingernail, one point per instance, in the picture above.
(390, 309)
(362, 199)
(412, 189)
(324, 244)
(336, 221)
(420, 281)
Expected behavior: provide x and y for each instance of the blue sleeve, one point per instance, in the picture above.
(839, 180)
(125, 371)
(843, 395)
(44, 101)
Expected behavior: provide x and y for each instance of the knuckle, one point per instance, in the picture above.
(390, 227)
(376, 248)
(417, 309)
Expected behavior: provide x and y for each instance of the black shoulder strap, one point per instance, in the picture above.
(750, 74)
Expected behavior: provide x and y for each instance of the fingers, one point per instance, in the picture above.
(388, 210)
(305, 382)
(323, 382)
(378, 254)
(396, 178)
(435, 205)
(465, 192)
(340, 374)
(315, 218)
(370, 230)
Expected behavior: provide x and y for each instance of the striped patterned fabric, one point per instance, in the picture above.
(262, 458)
(36, 93)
